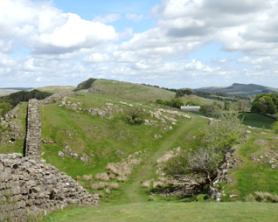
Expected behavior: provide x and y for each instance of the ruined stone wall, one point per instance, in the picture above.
(58, 96)
(33, 138)
(30, 189)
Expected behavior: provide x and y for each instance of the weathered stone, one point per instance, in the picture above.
(60, 154)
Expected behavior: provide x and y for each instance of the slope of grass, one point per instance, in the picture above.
(20, 121)
(140, 93)
(174, 212)
(257, 120)
(250, 176)
(103, 139)
(55, 89)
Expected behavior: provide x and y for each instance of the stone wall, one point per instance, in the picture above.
(33, 138)
(58, 96)
(31, 189)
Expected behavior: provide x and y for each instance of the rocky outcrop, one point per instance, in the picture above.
(33, 138)
(31, 188)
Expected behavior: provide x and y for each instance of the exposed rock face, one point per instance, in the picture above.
(33, 138)
(31, 187)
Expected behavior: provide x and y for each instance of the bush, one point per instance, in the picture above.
(191, 103)
(135, 115)
(175, 102)
(274, 127)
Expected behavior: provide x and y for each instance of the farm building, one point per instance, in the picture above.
(190, 108)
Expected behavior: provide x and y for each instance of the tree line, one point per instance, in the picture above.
(10, 101)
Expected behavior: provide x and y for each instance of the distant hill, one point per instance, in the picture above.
(8, 91)
(240, 89)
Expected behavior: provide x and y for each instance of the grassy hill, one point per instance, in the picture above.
(55, 89)
(138, 92)
(72, 124)
(240, 89)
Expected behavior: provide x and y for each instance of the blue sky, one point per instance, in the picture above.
(170, 43)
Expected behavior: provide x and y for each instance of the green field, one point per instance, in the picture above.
(174, 212)
(257, 120)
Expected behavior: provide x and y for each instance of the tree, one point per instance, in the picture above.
(177, 103)
(200, 165)
(188, 91)
(227, 105)
(268, 103)
(179, 93)
(221, 135)
(257, 107)
(135, 115)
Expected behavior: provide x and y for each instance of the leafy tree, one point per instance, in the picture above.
(188, 91)
(200, 165)
(268, 103)
(179, 93)
(257, 107)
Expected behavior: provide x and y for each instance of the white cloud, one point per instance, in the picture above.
(107, 19)
(55, 38)
(134, 17)
(96, 57)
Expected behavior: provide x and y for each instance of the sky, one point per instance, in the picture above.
(170, 43)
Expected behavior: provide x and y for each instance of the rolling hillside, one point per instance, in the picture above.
(240, 89)
(88, 137)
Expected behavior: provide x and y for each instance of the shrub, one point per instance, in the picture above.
(191, 103)
(135, 115)
(274, 127)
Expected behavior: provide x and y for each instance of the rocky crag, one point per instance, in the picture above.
(30, 188)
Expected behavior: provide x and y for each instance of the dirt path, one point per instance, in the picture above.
(145, 172)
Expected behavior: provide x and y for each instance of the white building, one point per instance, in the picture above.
(190, 108)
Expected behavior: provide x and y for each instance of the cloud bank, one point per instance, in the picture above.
(63, 48)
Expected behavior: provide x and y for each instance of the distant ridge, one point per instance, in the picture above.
(240, 89)
(19, 88)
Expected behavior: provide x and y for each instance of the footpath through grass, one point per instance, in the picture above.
(174, 212)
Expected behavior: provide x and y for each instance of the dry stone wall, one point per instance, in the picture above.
(58, 96)
(33, 138)
(31, 188)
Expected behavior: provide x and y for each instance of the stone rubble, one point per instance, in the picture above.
(30, 188)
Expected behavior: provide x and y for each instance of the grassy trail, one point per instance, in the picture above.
(132, 192)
